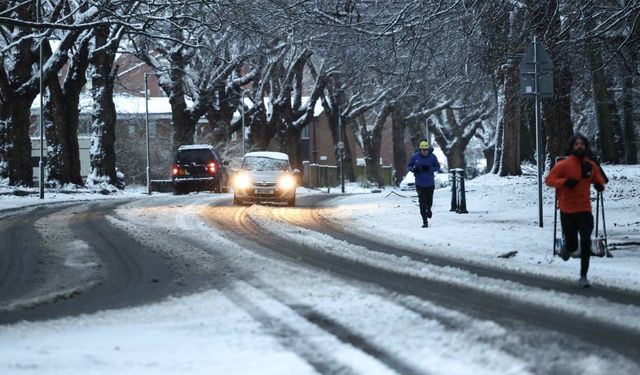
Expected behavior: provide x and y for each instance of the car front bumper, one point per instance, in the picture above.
(251, 194)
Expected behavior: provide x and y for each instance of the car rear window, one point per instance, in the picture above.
(194, 156)
(259, 163)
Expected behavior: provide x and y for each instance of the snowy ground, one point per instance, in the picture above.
(9, 201)
(503, 217)
(257, 322)
(263, 315)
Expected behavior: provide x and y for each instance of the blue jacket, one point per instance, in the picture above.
(423, 167)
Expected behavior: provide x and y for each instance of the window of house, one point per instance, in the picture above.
(305, 132)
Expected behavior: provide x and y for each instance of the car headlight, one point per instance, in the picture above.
(287, 182)
(242, 181)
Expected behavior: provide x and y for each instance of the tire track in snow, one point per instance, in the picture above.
(340, 331)
(314, 220)
(32, 272)
(132, 273)
(479, 304)
(285, 332)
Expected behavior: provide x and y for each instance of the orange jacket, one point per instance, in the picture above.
(578, 198)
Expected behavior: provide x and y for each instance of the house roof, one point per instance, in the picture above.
(125, 105)
(135, 105)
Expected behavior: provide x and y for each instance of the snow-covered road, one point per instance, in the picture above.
(263, 289)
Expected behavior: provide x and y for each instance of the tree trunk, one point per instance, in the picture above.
(556, 123)
(455, 157)
(372, 160)
(416, 133)
(15, 144)
(262, 129)
(557, 126)
(602, 98)
(183, 124)
(371, 143)
(333, 114)
(498, 86)
(510, 155)
(62, 115)
(528, 132)
(16, 97)
(630, 140)
(399, 150)
(103, 138)
(291, 142)
(61, 118)
(489, 155)
(602, 101)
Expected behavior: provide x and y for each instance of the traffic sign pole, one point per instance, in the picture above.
(538, 137)
(536, 79)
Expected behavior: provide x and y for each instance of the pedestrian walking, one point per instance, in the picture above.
(572, 178)
(424, 164)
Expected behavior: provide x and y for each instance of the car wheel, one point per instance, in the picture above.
(291, 201)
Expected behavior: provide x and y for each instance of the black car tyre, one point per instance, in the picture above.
(291, 202)
(236, 201)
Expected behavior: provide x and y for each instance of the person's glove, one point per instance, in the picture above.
(570, 183)
(586, 169)
(599, 187)
(426, 168)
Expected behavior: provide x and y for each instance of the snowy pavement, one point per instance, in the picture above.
(503, 216)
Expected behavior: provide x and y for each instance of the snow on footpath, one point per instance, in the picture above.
(10, 202)
(503, 215)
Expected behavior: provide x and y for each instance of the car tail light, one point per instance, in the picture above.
(212, 167)
(174, 170)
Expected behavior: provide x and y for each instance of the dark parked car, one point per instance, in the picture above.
(198, 167)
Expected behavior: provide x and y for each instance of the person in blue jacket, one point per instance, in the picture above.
(424, 164)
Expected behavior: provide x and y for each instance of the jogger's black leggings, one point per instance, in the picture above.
(581, 222)
(425, 200)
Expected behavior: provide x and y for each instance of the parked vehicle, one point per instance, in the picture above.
(409, 181)
(198, 167)
(265, 177)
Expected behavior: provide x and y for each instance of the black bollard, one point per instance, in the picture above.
(462, 205)
(454, 190)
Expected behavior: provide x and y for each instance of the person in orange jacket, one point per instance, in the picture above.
(572, 178)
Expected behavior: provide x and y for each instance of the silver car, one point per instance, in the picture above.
(265, 177)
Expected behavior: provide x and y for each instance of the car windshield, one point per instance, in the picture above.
(260, 163)
(194, 156)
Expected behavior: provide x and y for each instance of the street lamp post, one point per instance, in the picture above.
(41, 163)
(340, 149)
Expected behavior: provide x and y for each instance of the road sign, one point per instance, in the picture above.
(340, 145)
(539, 56)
